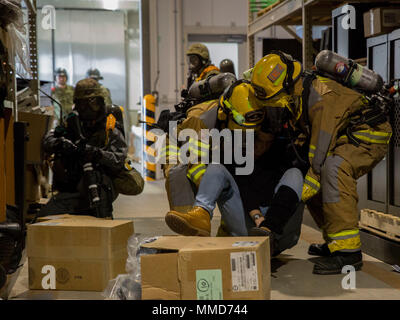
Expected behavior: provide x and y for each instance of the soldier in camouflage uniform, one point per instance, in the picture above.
(104, 147)
(63, 93)
(95, 74)
(200, 66)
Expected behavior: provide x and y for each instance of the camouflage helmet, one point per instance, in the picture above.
(200, 50)
(94, 74)
(61, 72)
(88, 88)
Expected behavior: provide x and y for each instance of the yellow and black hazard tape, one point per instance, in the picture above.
(149, 153)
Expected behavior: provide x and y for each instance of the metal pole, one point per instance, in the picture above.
(34, 85)
(250, 40)
(307, 37)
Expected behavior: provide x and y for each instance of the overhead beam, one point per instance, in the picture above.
(281, 12)
(299, 39)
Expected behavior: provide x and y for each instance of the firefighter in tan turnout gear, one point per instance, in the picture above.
(241, 111)
(344, 144)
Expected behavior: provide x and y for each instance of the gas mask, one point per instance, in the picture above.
(195, 63)
(91, 110)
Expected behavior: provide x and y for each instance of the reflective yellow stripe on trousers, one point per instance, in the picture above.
(345, 241)
(196, 172)
(312, 183)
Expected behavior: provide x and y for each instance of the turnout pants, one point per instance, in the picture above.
(334, 209)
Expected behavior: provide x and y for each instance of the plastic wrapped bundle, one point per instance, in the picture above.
(128, 286)
(10, 12)
(135, 251)
(124, 287)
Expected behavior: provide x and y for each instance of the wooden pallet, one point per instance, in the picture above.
(381, 224)
(269, 8)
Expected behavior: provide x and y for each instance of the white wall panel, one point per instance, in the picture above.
(229, 13)
(198, 12)
(93, 39)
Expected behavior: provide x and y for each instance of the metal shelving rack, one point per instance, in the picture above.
(20, 133)
(307, 13)
(33, 52)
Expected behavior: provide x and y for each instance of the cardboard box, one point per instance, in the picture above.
(64, 216)
(378, 21)
(39, 125)
(77, 254)
(198, 268)
(32, 188)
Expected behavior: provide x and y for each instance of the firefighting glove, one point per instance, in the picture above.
(66, 146)
(311, 185)
(92, 153)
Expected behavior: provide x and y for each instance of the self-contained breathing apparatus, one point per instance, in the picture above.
(378, 98)
(208, 89)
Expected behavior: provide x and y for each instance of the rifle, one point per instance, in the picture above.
(90, 175)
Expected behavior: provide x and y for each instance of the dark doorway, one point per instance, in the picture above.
(290, 46)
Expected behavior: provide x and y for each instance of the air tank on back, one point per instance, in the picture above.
(211, 87)
(347, 71)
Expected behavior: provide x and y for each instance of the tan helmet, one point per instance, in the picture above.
(200, 50)
(88, 88)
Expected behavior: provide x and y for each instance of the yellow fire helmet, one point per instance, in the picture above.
(242, 108)
(275, 73)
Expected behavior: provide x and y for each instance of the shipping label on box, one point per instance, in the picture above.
(201, 268)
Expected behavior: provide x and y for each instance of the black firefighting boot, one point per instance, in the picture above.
(283, 206)
(334, 263)
(263, 231)
(321, 250)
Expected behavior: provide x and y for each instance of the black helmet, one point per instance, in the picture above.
(94, 74)
(227, 65)
(61, 72)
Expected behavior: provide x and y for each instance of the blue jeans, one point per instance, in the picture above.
(218, 187)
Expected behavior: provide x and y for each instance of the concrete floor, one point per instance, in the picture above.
(292, 276)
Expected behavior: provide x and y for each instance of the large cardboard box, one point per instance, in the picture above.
(378, 21)
(77, 254)
(198, 268)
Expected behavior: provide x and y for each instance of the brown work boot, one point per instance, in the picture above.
(196, 222)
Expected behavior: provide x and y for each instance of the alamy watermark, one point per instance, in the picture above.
(349, 281)
(48, 17)
(205, 147)
(349, 18)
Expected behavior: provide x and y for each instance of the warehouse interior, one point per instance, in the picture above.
(140, 49)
